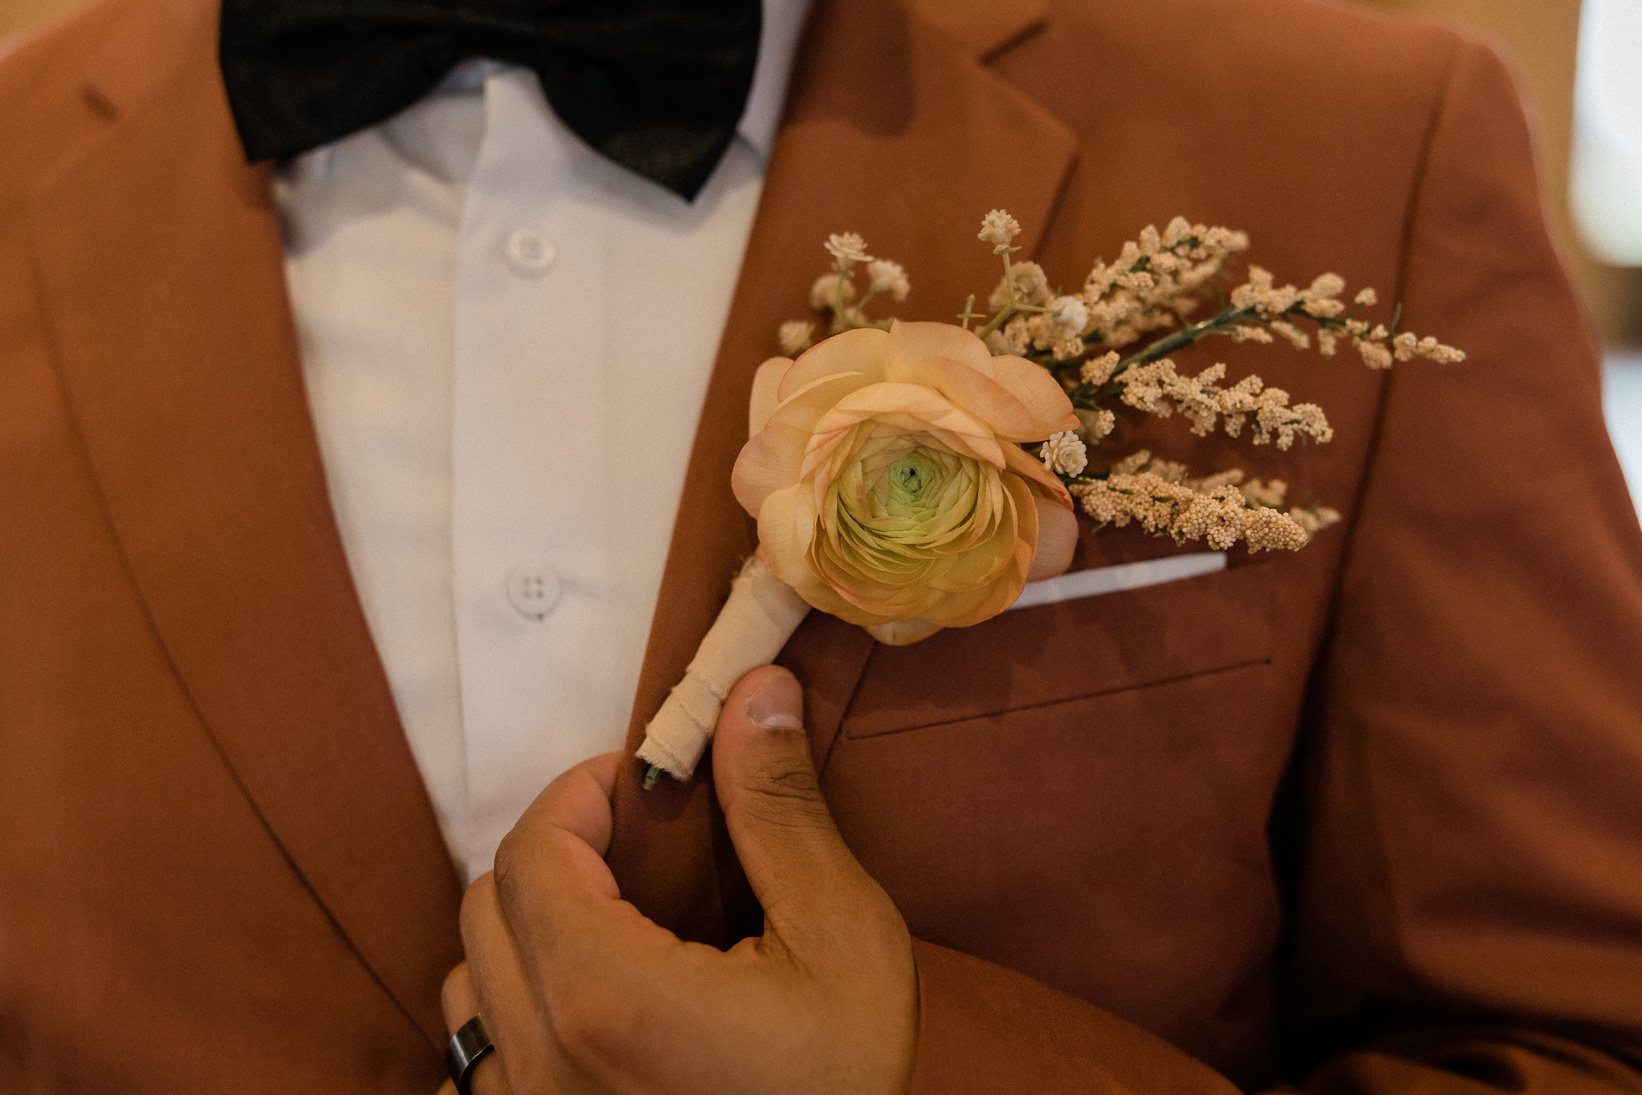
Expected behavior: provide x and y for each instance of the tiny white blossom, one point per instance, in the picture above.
(999, 229)
(1069, 315)
(824, 294)
(1012, 338)
(1325, 286)
(795, 336)
(889, 277)
(1064, 453)
(848, 247)
(1031, 286)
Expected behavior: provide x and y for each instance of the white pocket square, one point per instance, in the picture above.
(1149, 572)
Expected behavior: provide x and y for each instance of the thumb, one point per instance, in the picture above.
(783, 832)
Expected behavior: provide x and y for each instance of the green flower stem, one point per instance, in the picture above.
(1186, 336)
(653, 776)
(1014, 307)
(841, 311)
(1229, 318)
(1009, 287)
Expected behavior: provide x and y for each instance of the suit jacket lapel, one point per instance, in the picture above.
(160, 258)
(896, 130)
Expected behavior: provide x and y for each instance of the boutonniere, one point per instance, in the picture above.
(909, 477)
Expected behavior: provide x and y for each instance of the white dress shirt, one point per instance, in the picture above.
(506, 341)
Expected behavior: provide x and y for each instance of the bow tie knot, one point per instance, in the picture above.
(658, 86)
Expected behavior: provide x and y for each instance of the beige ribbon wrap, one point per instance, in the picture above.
(756, 622)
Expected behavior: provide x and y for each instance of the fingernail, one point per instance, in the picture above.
(778, 704)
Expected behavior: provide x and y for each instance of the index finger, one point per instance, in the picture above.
(578, 802)
(553, 888)
(565, 832)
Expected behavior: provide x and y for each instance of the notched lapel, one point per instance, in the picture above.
(161, 266)
(894, 129)
(986, 27)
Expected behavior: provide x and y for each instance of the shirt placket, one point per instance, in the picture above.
(532, 582)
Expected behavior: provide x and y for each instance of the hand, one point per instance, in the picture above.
(583, 994)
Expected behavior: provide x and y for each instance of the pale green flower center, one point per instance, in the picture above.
(911, 477)
(903, 520)
(900, 504)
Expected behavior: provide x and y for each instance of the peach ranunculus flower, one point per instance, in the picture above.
(888, 481)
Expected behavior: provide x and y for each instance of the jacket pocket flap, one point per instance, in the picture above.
(1067, 650)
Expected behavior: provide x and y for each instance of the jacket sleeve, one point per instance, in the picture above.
(1473, 877)
(1468, 899)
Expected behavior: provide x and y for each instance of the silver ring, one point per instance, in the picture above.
(467, 1046)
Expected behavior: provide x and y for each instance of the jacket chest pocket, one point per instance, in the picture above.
(1068, 650)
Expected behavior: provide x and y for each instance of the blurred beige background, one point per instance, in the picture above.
(16, 14)
(1542, 38)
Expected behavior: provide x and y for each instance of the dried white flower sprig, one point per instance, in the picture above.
(1157, 283)
(1221, 509)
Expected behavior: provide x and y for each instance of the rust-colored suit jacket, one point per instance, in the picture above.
(1366, 817)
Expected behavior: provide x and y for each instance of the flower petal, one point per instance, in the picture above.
(965, 611)
(1039, 392)
(988, 400)
(912, 345)
(907, 408)
(1057, 537)
(764, 398)
(804, 407)
(771, 459)
(769, 462)
(903, 632)
(784, 533)
(1020, 400)
(859, 351)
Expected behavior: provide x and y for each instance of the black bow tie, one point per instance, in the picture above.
(656, 85)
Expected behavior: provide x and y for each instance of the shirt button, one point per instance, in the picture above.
(533, 588)
(529, 251)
